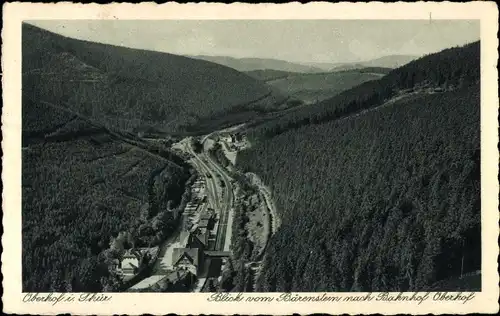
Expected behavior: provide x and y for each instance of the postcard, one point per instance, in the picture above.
(250, 158)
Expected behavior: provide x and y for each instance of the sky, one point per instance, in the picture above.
(330, 41)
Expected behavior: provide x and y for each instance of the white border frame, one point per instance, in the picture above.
(129, 303)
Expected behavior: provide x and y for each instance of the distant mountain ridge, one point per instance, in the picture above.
(389, 61)
(249, 64)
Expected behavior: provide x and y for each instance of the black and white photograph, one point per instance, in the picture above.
(228, 156)
(251, 156)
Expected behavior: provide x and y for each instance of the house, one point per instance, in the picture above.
(191, 206)
(198, 238)
(174, 281)
(200, 183)
(203, 223)
(198, 196)
(208, 214)
(207, 219)
(131, 261)
(189, 259)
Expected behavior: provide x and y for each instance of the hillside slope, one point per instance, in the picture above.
(379, 187)
(433, 71)
(134, 89)
(249, 64)
(82, 186)
(313, 87)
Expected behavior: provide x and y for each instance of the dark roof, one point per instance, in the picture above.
(199, 234)
(176, 276)
(206, 215)
(192, 254)
(203, 236)
(203, 223)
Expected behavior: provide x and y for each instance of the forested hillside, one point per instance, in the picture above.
(87, 194)
(314, 87)
(450, 69)
(271, 74)
(136, 90)
(382, 200)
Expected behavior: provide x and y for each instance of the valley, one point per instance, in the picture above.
(315, 87)
(145, 171)
(143, 92)
(220, 192)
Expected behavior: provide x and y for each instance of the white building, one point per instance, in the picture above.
(131, 262)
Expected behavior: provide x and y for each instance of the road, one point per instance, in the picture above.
(163, 264)
(266, 193)
(230, 154)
